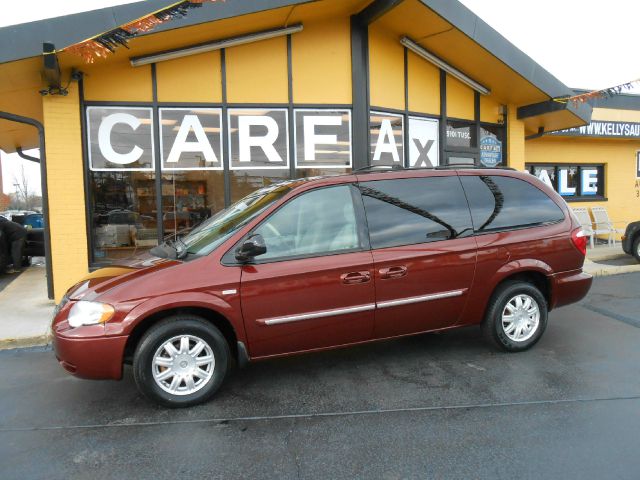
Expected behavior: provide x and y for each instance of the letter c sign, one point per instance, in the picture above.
(120, 138)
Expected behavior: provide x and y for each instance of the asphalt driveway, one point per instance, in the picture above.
(431, 406)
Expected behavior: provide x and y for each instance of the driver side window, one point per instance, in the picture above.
(318, 222)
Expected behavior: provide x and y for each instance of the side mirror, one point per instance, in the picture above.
(251, 247)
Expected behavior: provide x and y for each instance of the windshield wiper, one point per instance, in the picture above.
(165, 250)
(182, 252)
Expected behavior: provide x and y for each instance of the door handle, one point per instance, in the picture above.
(393, 272)
(355, 277)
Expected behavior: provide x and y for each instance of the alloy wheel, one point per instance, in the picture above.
(520, 318)
(183, 365)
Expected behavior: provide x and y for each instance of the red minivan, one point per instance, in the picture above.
(318, 263)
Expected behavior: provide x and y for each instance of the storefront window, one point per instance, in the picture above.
(124, 157)
(192, 180)
(461, 134)
(568, 180)
(191, 138)
(491, 145)
(545, 173)
(244, 182)
(120, 139)
(573, 182)
(386, 139)
(122, 188)
(322, 138)
(188, 198)
(123, 213)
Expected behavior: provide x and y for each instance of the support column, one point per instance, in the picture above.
(360, 93)
(65, 184)
(515, 139)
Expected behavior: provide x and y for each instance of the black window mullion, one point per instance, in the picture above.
(157, 154)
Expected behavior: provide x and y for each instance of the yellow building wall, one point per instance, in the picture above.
(460, 102)
(321, 62)
(386, 69)
(65, 184)
(118, 82)
(619, 158)
(196, 78)
(489, 109)
(423, 84)
(615, 115)
(257, 72)
(515, 139)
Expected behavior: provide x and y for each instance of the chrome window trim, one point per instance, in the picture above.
(421, 298)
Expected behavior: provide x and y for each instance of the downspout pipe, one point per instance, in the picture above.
(45, 196)
(21, 154)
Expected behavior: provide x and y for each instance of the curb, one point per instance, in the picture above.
(606, 271)
(38, 341)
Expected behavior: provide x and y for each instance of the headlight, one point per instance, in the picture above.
(89, 313)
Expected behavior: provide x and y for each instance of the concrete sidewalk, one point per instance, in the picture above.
(25, 310)
(605, 260)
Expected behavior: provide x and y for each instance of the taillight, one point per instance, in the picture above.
(579, 240)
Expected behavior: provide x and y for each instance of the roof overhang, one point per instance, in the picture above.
(456, 35)
(551, 115)
(444, 27)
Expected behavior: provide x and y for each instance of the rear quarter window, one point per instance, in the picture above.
(503, 203)
(415, 210)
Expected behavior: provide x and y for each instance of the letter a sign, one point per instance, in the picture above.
(386, 139)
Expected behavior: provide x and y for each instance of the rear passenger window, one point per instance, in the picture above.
(415, 210)
(501, 203)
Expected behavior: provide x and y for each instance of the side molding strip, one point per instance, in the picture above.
(319, 314)
(422, 298)
(360, 308)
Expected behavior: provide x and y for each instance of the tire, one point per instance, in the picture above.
(528, 326)
(152, 359)
(636, 248)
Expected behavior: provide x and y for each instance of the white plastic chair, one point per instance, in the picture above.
(604, 225)
(582, 214)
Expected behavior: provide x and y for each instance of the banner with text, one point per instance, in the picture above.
(599, 128)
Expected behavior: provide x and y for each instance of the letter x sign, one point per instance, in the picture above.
(423, 159)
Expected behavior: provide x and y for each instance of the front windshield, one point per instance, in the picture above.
(212, 232)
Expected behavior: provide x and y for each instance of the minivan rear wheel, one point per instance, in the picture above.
(516, 317)
(181, 361)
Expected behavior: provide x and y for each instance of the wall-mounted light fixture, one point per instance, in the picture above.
(215, 45)
(438, 62)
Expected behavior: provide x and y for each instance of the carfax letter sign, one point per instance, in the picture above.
(120, 138)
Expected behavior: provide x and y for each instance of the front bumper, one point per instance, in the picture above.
(569, 287)
(90, 357)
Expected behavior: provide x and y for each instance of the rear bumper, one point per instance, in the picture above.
(569, 287)
(94, 358)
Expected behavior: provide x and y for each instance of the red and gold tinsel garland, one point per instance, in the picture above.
(598, 94)
(100, 46)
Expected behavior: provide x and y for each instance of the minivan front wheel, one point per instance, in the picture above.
(516, 317)
(181, 361)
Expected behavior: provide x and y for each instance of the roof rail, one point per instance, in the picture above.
(373, 168)
(395, 168)
(473, 167)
